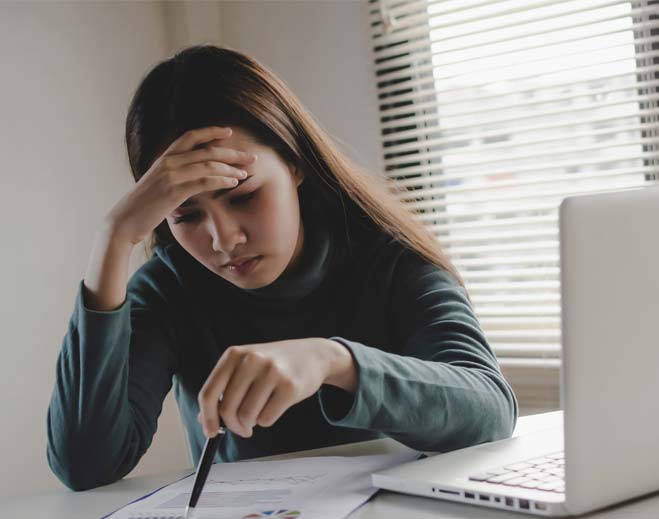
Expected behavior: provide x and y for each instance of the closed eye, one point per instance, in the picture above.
(239, 200)
(242, 199)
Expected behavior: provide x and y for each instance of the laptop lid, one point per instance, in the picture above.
(609, 247)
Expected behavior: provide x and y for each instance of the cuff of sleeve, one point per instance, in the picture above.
(112, 324)
(81, 304)
(344, 409)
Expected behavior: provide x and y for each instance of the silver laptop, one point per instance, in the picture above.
(607, 450)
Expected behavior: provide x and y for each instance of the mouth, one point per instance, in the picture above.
(245, 267)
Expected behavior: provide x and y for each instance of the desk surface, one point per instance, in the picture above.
(95, 503)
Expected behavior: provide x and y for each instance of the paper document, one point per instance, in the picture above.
(321, 487)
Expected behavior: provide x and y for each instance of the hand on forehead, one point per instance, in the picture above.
(214, 142)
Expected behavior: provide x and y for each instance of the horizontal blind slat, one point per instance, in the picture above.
(532, 322)
(519, 273)
(501, 247)
(529, 363)
(442, 229)
(481, 212)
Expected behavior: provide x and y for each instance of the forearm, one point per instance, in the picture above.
(430, 406)
(107, 272)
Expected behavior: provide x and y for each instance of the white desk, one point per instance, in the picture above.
(95, 503)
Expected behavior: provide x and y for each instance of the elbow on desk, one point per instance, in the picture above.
(75, 473)
(502, 416)
(81, 464)
(82, 461)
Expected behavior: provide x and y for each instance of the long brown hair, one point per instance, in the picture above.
(206, 85)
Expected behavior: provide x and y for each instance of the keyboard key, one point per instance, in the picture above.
(503, 477)
(498, 471)
(531, 484)
(540, 461)
(550, 465)
(515, 481)
(518, 466)
(479, 477)
(530, 472)
(557, 472)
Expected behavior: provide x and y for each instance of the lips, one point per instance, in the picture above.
(239, 261)
(244, 268)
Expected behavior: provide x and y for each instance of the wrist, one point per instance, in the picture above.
(111, 237)
(341, 369)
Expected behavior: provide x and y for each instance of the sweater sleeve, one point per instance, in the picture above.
(112, 375)
(442, 389)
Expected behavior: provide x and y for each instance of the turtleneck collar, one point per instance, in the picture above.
(314, 264)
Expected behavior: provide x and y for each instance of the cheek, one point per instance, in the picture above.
(279, 220)
(283, 220)
(186, 237)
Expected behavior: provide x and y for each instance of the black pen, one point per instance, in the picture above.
(203, 469)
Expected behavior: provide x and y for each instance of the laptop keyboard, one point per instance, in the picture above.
(543, 473)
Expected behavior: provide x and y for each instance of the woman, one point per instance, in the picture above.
(348, 323)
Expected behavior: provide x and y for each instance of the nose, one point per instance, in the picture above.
(225, 232)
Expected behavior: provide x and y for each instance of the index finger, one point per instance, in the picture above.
(213, 389)
(197, 136)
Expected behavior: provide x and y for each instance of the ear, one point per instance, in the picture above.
(298, 175)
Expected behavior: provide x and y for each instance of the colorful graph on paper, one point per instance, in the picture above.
(278, 514)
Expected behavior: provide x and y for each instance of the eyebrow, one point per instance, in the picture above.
(216, 194)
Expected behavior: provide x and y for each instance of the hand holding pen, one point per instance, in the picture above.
(203, 469)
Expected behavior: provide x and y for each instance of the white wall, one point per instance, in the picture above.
(69, 71)
(322, 50)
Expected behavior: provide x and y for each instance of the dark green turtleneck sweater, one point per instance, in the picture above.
(427, 376)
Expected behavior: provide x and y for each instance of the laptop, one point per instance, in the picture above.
(605, 451)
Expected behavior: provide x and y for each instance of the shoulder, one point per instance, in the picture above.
(412, 267)
(384, 253)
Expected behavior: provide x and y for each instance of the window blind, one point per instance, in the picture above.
(491, 113)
